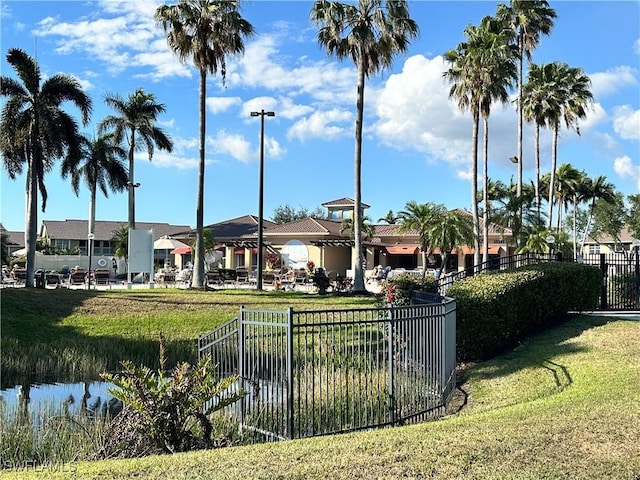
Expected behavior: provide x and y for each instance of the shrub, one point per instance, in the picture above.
(397, 290)
(167, 414)
(497, 310)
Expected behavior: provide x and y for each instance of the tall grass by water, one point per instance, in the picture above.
(74, 335)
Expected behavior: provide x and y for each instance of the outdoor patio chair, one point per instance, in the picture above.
(213, 277)
(77, 277)
(101, 276)
(242, 275)
(268, 278)
(184, 278)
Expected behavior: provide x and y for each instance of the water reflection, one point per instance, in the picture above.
(74, 398)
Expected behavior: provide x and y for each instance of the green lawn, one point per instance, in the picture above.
(73, 335)
(565, 404)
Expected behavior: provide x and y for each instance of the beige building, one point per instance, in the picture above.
(321, 242)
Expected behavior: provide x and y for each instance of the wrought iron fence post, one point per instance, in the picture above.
(290, 401)
(637, 276)
(241, 362)
(603, 292)
(392, 397)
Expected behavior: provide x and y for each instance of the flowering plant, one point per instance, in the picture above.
(273, 261)
(310, 265)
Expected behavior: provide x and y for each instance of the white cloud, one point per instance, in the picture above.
(221, 104)
(5, 11)
(273, 149)
(605, 83)
(182, 144)
(596, 115)
(626, 122)
(263, 65)
(415, 113)
(231, 144)
(636, 46)
(328, 125)
(125, 37)
(170, 160)
(256, 104)
(626, 169)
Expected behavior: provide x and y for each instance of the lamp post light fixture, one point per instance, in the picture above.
(261, 114)
(514, 159)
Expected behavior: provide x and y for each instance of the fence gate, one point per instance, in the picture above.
(620, 280)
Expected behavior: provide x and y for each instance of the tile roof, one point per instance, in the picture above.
(244, 226)
(14, 239)
(625, 237)
(343, 202)
(308, 225)
(78, 229)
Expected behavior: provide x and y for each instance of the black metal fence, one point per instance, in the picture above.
(312, 373)
(620, 273)
(620, 279)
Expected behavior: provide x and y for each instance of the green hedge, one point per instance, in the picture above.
(496, 310)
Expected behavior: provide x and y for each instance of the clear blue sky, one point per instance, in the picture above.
(417, 145)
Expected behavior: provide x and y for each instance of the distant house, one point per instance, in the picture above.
(608, 245)
(15, 240)
(69, 234)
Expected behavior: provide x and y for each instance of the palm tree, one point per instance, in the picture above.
(205, 31)
(120, 241)
(453, 230)
(513, 212)
(537, 97)
(367, 228)
(421, 218)
(467, 76)
(593, 190)
(390, 218)
(529, 19)
(103, 169)
(135, 121)
(568, 180)
(571, 95)
(497, 61)
(371, 34)
(35, 130)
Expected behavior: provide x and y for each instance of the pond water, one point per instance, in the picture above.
(75, 397)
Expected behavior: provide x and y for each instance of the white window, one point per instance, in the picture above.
(594, 249)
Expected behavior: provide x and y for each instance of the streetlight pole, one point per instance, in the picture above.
(261, 114)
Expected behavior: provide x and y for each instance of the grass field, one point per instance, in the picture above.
(564, 405)
(73, 335)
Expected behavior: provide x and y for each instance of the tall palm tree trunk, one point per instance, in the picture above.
(31, 233)
(474, 190)
(552, 181)
(198, 270)
(485, 195)
(358, 276)
(575, 222)
(537, 186)
(132, 203)
(520, 117)
(132, 187)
